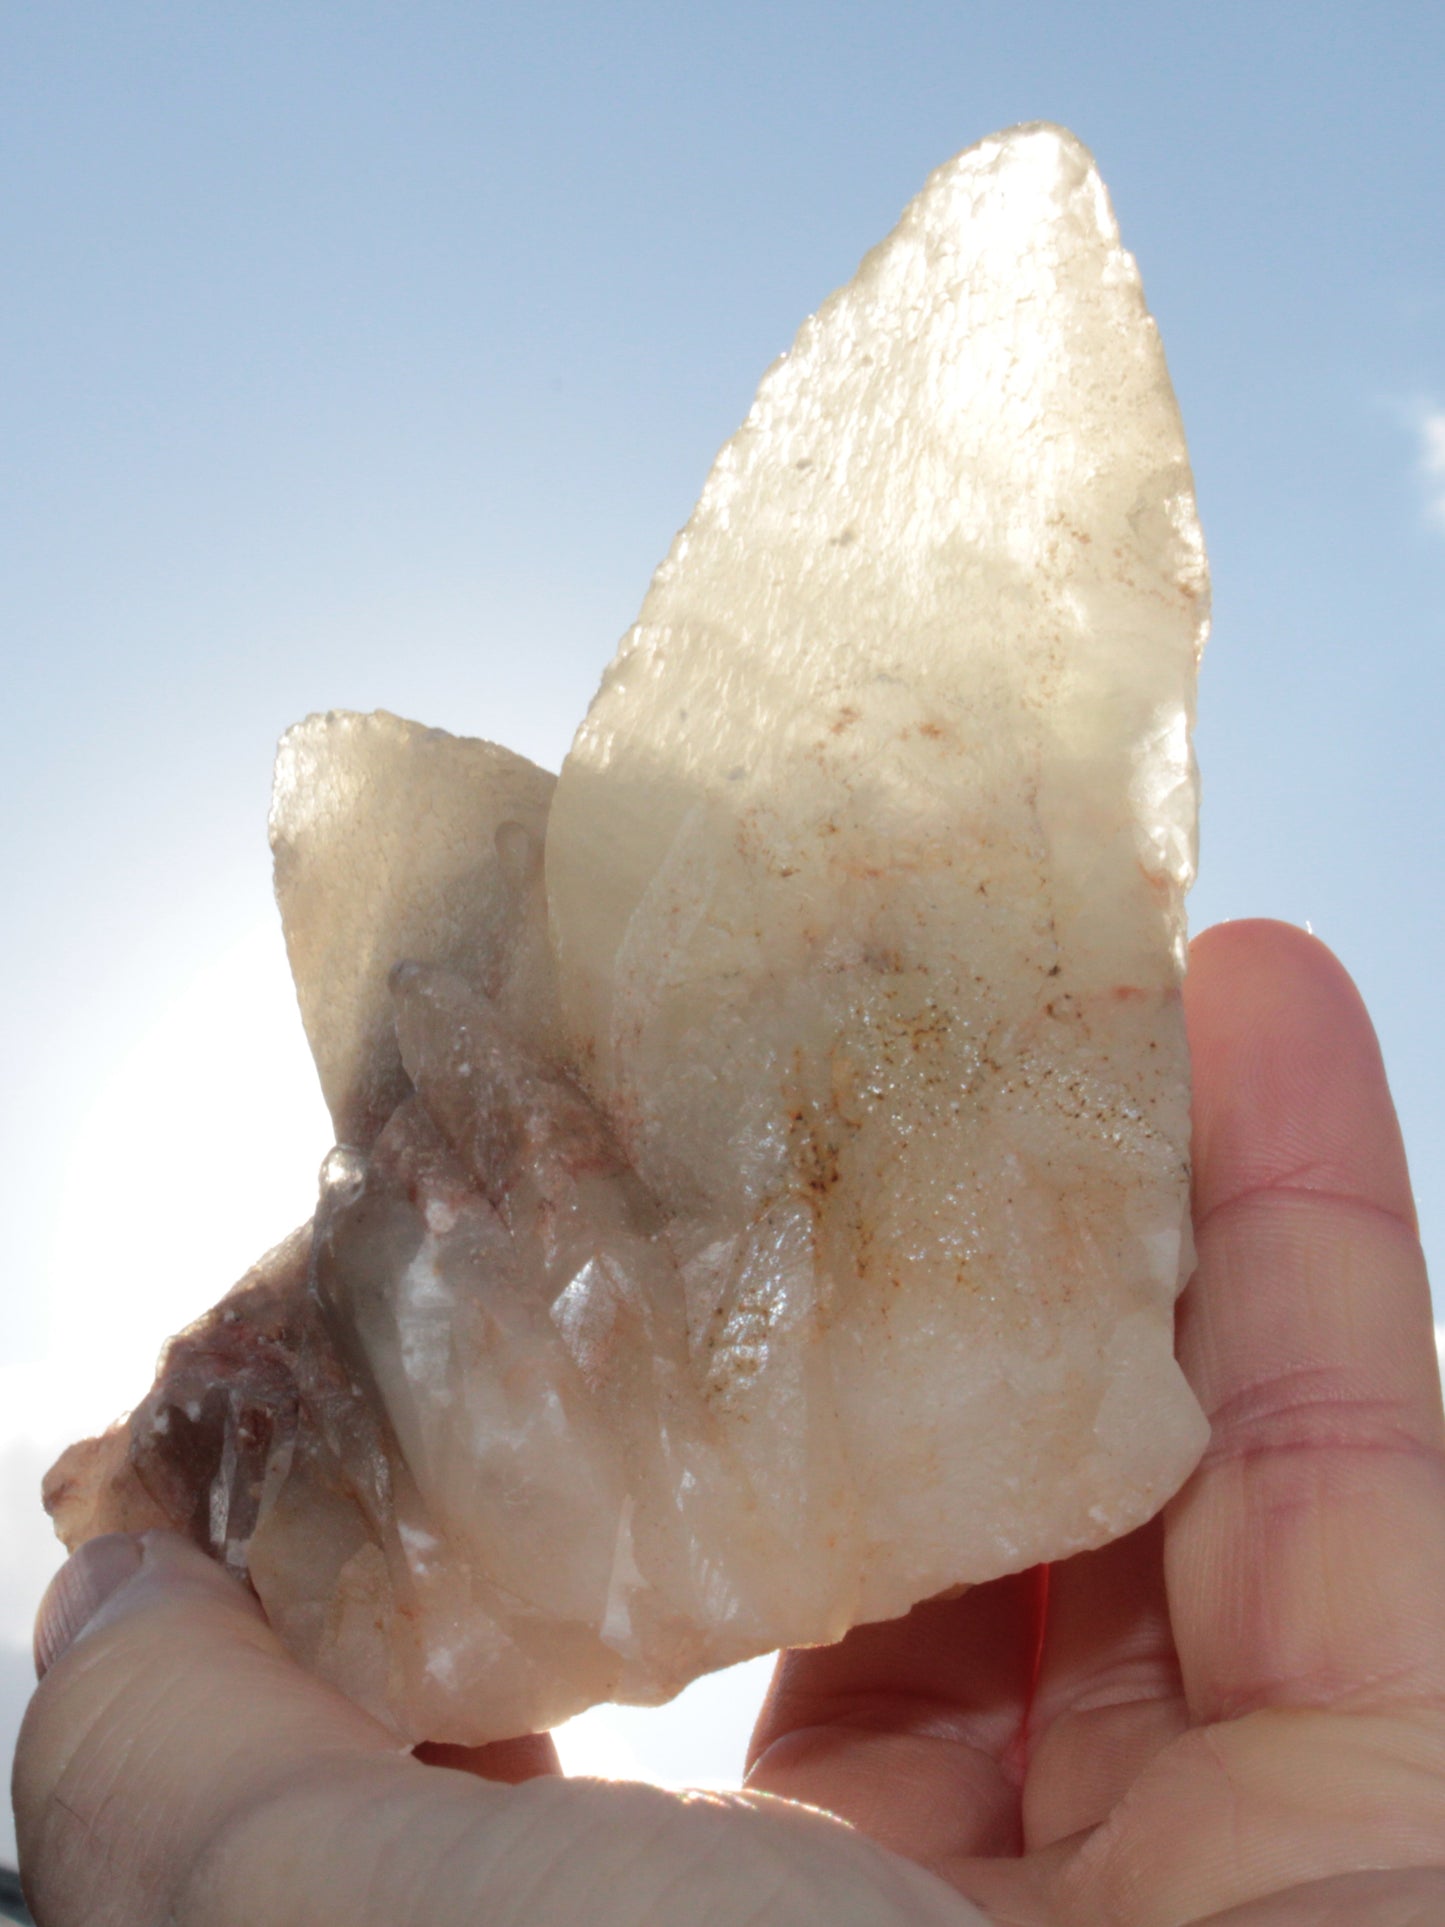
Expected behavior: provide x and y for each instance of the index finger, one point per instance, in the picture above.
(177, 1765)
(1306, 1557)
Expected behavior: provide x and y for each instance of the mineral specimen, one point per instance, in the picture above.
(761, 1186)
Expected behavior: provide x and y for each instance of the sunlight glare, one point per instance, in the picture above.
(199, 1152)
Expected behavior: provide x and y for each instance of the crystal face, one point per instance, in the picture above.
(762, 1175)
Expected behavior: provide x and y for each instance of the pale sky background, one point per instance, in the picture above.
(369, 355)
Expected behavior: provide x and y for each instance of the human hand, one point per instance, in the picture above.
(1236, 1705)
(1249, 1695)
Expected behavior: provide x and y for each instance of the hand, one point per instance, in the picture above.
(1236, 1715)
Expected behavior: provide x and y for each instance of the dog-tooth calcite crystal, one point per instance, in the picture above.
(762, 1173)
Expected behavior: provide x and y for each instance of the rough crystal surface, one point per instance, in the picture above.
(768, 1209)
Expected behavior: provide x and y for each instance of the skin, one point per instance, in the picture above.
(1238, 1716)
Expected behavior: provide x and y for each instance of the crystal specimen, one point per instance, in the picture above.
(762, 1184)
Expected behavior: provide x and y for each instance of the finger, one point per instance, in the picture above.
(1306, 1557)
(1109, 1696)
(1034, 1892)
(1409, 1899)
(78, 1591)
(176, 1765)
(909, 1729)
(110, 1810)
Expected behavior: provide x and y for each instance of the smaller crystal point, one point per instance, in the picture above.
(387, 842)
(762, 1187)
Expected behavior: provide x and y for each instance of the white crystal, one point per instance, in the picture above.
(771, 1214)
(866, 876)
(392, 840)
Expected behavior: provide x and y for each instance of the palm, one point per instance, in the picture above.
(1249, 1694)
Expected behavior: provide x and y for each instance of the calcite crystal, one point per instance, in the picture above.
(762, 1174)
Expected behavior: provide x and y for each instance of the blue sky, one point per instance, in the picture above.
(369, 355)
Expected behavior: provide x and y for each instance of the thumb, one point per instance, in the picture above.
(176, 1765)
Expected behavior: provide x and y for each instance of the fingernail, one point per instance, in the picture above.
(79, 1590)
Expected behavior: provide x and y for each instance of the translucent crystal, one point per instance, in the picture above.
(392, 840)
(762, 1189)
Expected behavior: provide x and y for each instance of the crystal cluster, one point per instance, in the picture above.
(762, 1172)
